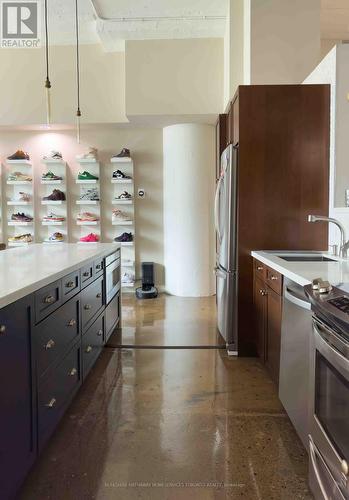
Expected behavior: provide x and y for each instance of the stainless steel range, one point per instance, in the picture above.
(329, 390)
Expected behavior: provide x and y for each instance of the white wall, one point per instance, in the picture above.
(146, 149)
(285, 40)
(189, 180)
(22, 76)
(174, 77)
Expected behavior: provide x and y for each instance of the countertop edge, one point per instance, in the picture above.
(265, 259)
(35, 286)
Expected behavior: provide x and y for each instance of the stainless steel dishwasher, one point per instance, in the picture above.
(296, 332)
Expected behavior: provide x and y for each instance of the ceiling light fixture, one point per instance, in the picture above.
(47, 81)
(78, 112)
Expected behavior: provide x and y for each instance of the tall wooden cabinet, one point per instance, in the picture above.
(282, 134)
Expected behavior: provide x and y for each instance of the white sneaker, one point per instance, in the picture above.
(53, 155)
(91, 154)
(120, 216)
(128, 278)
(21, 197)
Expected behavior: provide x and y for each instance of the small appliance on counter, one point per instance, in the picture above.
(329, 391)
(147, 290)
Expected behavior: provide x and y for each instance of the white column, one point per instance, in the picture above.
(189, 183)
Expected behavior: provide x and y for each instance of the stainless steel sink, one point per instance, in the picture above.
(306, 258)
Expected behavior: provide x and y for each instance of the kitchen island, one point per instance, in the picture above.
(58, 307)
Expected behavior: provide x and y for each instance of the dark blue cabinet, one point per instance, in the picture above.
(17, 414)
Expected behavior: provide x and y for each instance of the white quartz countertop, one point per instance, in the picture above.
(304, 272)
(24, 270)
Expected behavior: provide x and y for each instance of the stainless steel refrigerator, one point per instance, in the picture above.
(226, 263)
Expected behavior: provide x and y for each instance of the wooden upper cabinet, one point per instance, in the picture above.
(221, 139)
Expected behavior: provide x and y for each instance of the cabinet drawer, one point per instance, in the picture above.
(47, 300)
(70, 285)
(274, 280)
(260, 269)
(98, 267)
(92, 344)
(55, 333)
(87, 274)
(91, 301)
(112, 315)
(56, 393)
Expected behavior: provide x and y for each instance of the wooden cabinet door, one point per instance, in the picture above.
(273, 333)
(17, 417)
(260, 303)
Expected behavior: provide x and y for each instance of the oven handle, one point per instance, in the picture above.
(320, 329)
(291, 297)
(316, 470)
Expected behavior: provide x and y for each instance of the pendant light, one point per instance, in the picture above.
(78, 112)
(47, 81)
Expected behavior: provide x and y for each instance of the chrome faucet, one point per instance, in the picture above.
(344, 245)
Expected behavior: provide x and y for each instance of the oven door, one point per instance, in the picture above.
(113, 280)
(329, 405)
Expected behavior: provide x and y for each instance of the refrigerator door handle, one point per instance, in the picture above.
(220, 273)
(216, 208)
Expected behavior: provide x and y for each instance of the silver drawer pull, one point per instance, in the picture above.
(73, 372)
(100, 333)
(72, 322)
(51, 404)
(86, 274)
(263, 292)
(50, 344)
(49, 299)
(2, 329)
(274, 278)
(98, 266)
(99, 295)
(88, 349)
(70, 284)
(87, 307)
(260, 268)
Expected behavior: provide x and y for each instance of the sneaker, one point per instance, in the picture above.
(90, 238)
(19, 155)
(50, 176)
(90, 194)
(86, 176)
(21, 197)
(55, 237)
(120, 175)
(18, 176)
(53, 155)
(124, 153)
(124, 238)
(124, 196)
(120, 216)
(52, 217)
(87, 217)
(21, 238)
(21, 217)
(56, 195)
(128, 278)
(91, 154)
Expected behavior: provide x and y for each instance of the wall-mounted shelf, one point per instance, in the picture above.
(52, 202)
(123, 223)
(52, 223)
(87, 202)
(50, 183)
(122, 202)
(121, 160)
(19, 162)
(19, 223)
(15, 203)
(121, 181)
(19, 183)
(86, 181)
(87, 222)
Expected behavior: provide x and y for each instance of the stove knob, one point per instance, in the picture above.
(344, 467)
(324, 287)
(315, 283)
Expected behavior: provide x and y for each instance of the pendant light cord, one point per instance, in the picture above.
(78, 112)
(47, 82)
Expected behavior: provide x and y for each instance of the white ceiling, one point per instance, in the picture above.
(335, 19)
(113, 21)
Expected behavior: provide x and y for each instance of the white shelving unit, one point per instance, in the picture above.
(58, 207)
(128, 249)
(83, 205)
(13, 193)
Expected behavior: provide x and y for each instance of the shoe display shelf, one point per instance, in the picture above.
(19, 196)
(84, 204)
(128, 249)
(59, 207)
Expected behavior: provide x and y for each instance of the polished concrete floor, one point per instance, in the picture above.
(172, 424)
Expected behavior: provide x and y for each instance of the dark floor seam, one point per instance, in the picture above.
(131, 346)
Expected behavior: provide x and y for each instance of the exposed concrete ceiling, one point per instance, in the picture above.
(335, 19)
(111, 22)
